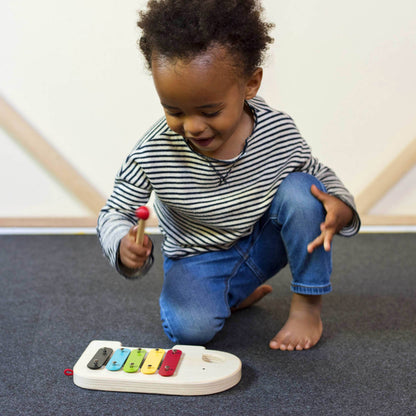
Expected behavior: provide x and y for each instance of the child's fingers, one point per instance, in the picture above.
(132, 260)
(131, 254)
(132, 233)
(324, 239)
(328, 240)
(316, 243)
(318, 194)
(129, 259)
(147, 244)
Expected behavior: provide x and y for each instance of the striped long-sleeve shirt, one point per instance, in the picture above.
(205, 204)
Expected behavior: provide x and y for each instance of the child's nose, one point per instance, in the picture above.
(193, 126)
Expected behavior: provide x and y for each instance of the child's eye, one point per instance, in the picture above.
(169, 113)
(216, 113)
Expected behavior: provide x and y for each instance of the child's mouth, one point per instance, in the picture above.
(202, 142)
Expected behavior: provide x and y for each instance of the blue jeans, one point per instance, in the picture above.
(199, 291)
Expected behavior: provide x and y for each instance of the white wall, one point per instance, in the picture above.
(344, 71)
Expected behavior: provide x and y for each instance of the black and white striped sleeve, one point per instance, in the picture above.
(335, 187)
(131, 190)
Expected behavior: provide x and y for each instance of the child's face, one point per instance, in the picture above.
(203, 100)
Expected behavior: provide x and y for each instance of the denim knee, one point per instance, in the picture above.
(294, 199)
(191, 331)
(193, 305)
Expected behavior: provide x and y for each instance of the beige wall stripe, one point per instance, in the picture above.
(390, 175)
(21, 131)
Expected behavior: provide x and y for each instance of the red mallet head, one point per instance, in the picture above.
(142, 213)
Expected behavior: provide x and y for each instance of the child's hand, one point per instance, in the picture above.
(133, 255)
(338, 215)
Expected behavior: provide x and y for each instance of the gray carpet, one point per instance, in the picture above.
(58, 293)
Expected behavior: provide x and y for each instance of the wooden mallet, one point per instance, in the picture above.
(142, 213)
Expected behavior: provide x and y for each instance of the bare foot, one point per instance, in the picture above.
(258, 294)
(303, 329)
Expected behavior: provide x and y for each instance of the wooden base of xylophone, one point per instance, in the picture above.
(198, 372)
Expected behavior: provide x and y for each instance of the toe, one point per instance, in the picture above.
(274, 345)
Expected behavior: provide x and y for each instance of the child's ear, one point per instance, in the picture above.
(253, 83)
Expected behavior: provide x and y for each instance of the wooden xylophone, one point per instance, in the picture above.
(183, 370)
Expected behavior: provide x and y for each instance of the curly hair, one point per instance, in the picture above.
(183, 29)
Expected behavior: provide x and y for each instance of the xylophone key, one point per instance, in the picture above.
(100, 358)
(151, 364)
(118, 359)
(134, 360)
(170, 363)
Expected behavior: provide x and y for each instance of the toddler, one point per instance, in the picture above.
(238, 193)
